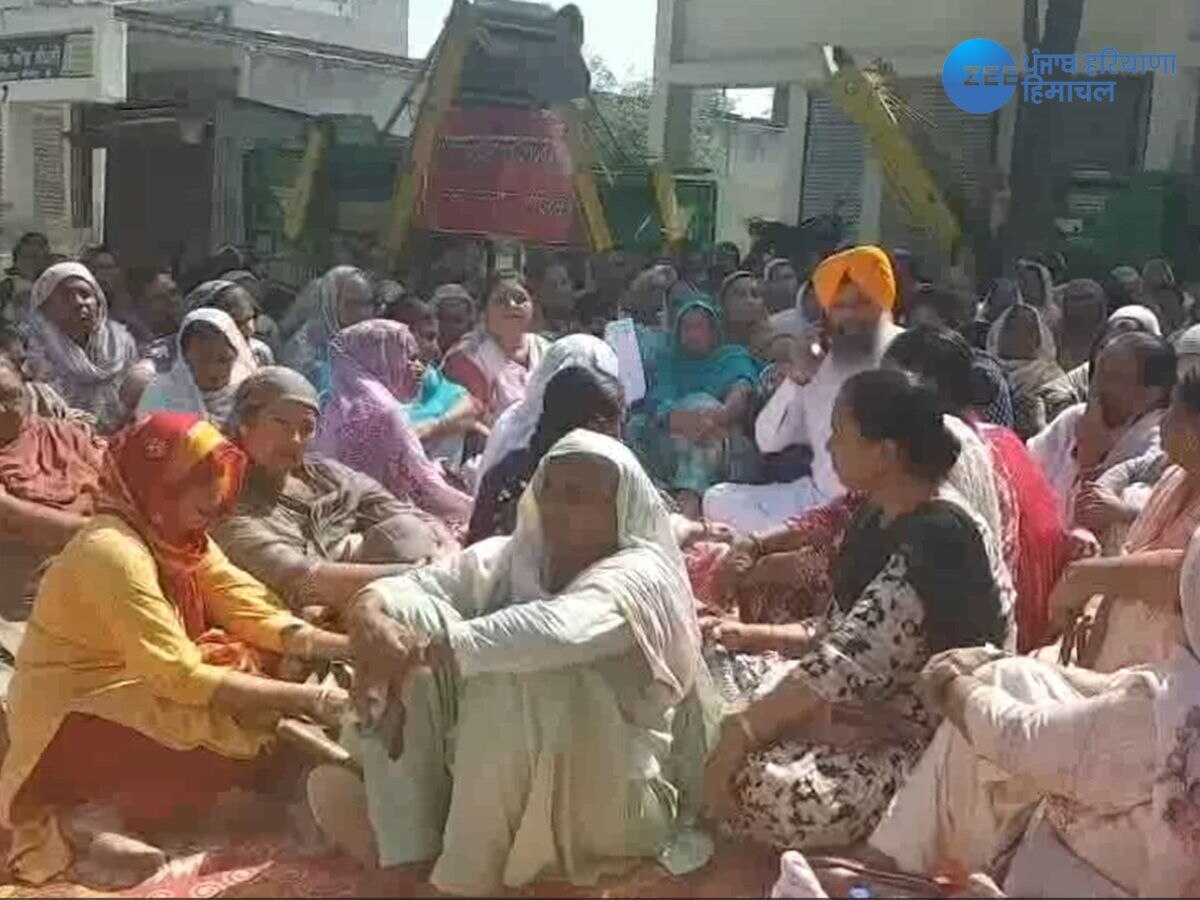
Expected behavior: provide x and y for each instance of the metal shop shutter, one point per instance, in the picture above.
(833, 164)
(963, 148)
(3, 198)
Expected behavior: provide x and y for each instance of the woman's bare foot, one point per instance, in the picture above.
(106, 859)
(338, 801)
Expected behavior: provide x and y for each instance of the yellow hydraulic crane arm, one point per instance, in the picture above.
(587, 195)
(906, 175)
(440, 92)
(441, 89)
(296, 205)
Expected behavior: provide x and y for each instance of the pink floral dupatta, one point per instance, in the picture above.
(364, 425)
(1128, 632)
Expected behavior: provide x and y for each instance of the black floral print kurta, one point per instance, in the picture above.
(905, 590)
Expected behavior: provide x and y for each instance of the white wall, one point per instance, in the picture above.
(107, 84)
(47, 99)
(378, 25)
(22, 175)
(756, 43)
(915, 34)
(314, 85)
(748, 185)
(289, 78)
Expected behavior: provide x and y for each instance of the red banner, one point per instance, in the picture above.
(501, 172)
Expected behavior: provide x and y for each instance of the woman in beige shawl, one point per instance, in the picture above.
(1067, 782)
(1024, 344)
(560, 661)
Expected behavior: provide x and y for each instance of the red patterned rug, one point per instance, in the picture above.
(271, 866)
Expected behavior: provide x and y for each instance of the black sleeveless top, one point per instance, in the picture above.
(945, 562)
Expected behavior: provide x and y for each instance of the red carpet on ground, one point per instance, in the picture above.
(270, 866)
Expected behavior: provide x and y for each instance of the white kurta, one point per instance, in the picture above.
(564, 740)
(1054, 450)
(795, 414)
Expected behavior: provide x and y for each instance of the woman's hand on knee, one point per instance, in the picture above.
(384, 651)
(942, 680)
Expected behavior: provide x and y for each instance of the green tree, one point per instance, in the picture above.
(624, 108)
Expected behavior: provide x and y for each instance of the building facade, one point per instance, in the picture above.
(825, 164)
(130, 123)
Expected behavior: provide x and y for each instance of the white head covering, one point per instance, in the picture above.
(1188, 343)
(103, 354)
(88, 377)
(317, 305)
(176, 390)
(204, 294)
(1047, 350)
(646, 576)
(770, 267)
(1044, 276)
(516, 424)
(794, 321)
(1143, 315)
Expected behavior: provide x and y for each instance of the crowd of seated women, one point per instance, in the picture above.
(869, 566)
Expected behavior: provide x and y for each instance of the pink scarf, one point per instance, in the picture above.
(507, 379)
(364, 425)
(1128, 633)
(1169, 517)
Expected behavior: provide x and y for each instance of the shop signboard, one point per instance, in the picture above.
(31, 57)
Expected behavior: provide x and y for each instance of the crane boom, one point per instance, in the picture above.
(907, 177)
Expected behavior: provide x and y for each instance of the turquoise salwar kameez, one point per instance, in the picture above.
(685, 382)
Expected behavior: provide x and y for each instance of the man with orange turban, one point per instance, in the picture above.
(856, 290)
(867, 269)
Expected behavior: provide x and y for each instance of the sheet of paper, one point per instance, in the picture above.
(620, 335)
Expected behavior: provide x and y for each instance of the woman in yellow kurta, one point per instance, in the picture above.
(140, 689)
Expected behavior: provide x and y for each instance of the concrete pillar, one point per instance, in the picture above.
(664, 36)
(99, 186)
(677, 147)
(656, 120)
(1171, 130)
(1172, 119)
(869, 229)
(792, 168)
(111, 59)
(18, 169)
(670, 125)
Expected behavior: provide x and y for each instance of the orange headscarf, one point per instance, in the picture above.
(145, 468)
(867, 268)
